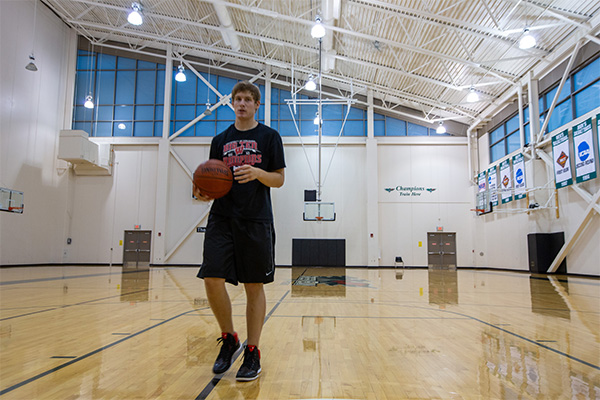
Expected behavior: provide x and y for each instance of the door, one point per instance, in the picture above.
(136, 252)
(441, 249)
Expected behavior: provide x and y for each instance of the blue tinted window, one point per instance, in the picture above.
(125, 87)
(514, 142)
(287, 128)
(158, 126)
(144, 113)
(497, 151)
(186, 113)
(125, 63)
(527, 134)
(188, 132)
(354, 128)
(226, 85)
(143, 129)
(106, 61)
(105, 87)
(145, 87)
(146, 65)
(333, 111)
(379, 127)
(185, 92)
(124, 113)
(587, 99)
(105, 113)
(526, 115)
(497, 134)
(122, 128)
(103, 129)
(587, 75)
(85, 61)
(566, 91)
(160, 88)
(512, 124)
(395, 127)
(561, 115)
(355, 113)
(416, 130)
(225, 113)
(331, 128)
(308, 128)
(205, 128)
(308, 112)
(82, 86)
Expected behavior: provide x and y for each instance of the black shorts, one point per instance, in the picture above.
(238, 250)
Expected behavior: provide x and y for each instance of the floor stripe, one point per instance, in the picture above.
(72, 305)
(58, 278)
(214, 381)
(83, 357)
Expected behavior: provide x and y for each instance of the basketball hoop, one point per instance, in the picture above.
(15, 209)
(319, 219)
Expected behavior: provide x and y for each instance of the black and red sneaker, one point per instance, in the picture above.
(250, 369)
(230, 344)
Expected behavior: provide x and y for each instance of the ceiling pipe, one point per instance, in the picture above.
(229, 34)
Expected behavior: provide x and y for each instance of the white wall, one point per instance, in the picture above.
(32, 111)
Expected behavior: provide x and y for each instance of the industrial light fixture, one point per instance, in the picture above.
(31, 66)
(527, 40)
(207, 112)
(135, 16)
(180, 77)
(472, 97)
(441, 129)
(318, 30)
(317, 119)
(310, 84)
(89, 103)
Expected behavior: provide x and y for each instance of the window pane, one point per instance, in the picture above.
(124, 113)
(106, 61)
(566, 91)
(85, 61)
(497, 151)
(185, 92)
(83, 114)
(355, 113)
(307, 112)
(222, 125)
(146, 87)
(587, 99)
(125, 87)
(146, 65)
(333, 111)
(160, 87)
(105, 113)
(125, 63)
(287, 128)
(527, 134)
(526, 115)
(497, 134)
(416, 130)
(308, 128)
(143, 128)
(512, 124)
(200, 110)
(224, 113)
(158, 126)
(144, 113)
(122, 128)
(330, 128)
(188, 132)
(105, 87)
(587, 75)
(185, 113)
(514, 142)
(355, 128)
(205, 128)
(395, 127)
(379, 127)
(274, 112)
(562, 114)
(103, 129)
(225, 85)
(82, 86)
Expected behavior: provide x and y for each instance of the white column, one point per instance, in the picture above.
(372, 188)
(267, 101)
(162, 175)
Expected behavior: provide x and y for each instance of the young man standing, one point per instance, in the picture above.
(239, 245)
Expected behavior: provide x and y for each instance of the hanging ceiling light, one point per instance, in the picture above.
(527, 40)
(135, 16)
(318, 30)
(31, 66)
(472, 97)
(89, 103)
(441, 129)
(316, 120)
(208, 111)
(180, 77)
(310, 84)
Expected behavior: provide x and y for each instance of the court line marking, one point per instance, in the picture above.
(72, 305)
(215, 381)
(58, 278)
(91, 353)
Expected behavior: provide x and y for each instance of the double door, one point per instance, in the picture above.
(136, 251)
(441, 249)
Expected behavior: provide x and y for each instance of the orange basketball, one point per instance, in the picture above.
(213, 178)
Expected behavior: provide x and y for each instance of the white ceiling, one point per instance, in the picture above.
(418, 54)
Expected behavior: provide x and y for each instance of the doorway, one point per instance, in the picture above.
(441, 249)
(136, 252)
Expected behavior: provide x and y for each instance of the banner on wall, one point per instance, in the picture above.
(583, 145)
(493, 185)
(561, 154)
(506, 182)
(481, 182)
(518, 163)
(598, 132)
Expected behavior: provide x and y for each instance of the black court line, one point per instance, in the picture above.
(72, 305)
(215, 381)
(60, 278)
(83, 357)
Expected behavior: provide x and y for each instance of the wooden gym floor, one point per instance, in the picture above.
(356, 333)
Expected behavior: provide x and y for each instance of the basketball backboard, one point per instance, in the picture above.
(483, 205)
(11, 200)
(319, 211)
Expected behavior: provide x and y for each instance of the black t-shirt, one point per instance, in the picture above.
(259, 147)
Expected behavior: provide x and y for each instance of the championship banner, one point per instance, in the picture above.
(493, 185)
(561, 154)
(518, 163)
(506, 182)
(583, 144)
(481, 182)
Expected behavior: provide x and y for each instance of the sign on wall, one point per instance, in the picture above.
(561, 154)
(518, 163)
(493, 185)
(481, 182)
(583, 145)
(506, 182)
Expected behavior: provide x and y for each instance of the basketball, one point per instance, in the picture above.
(213, 178)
